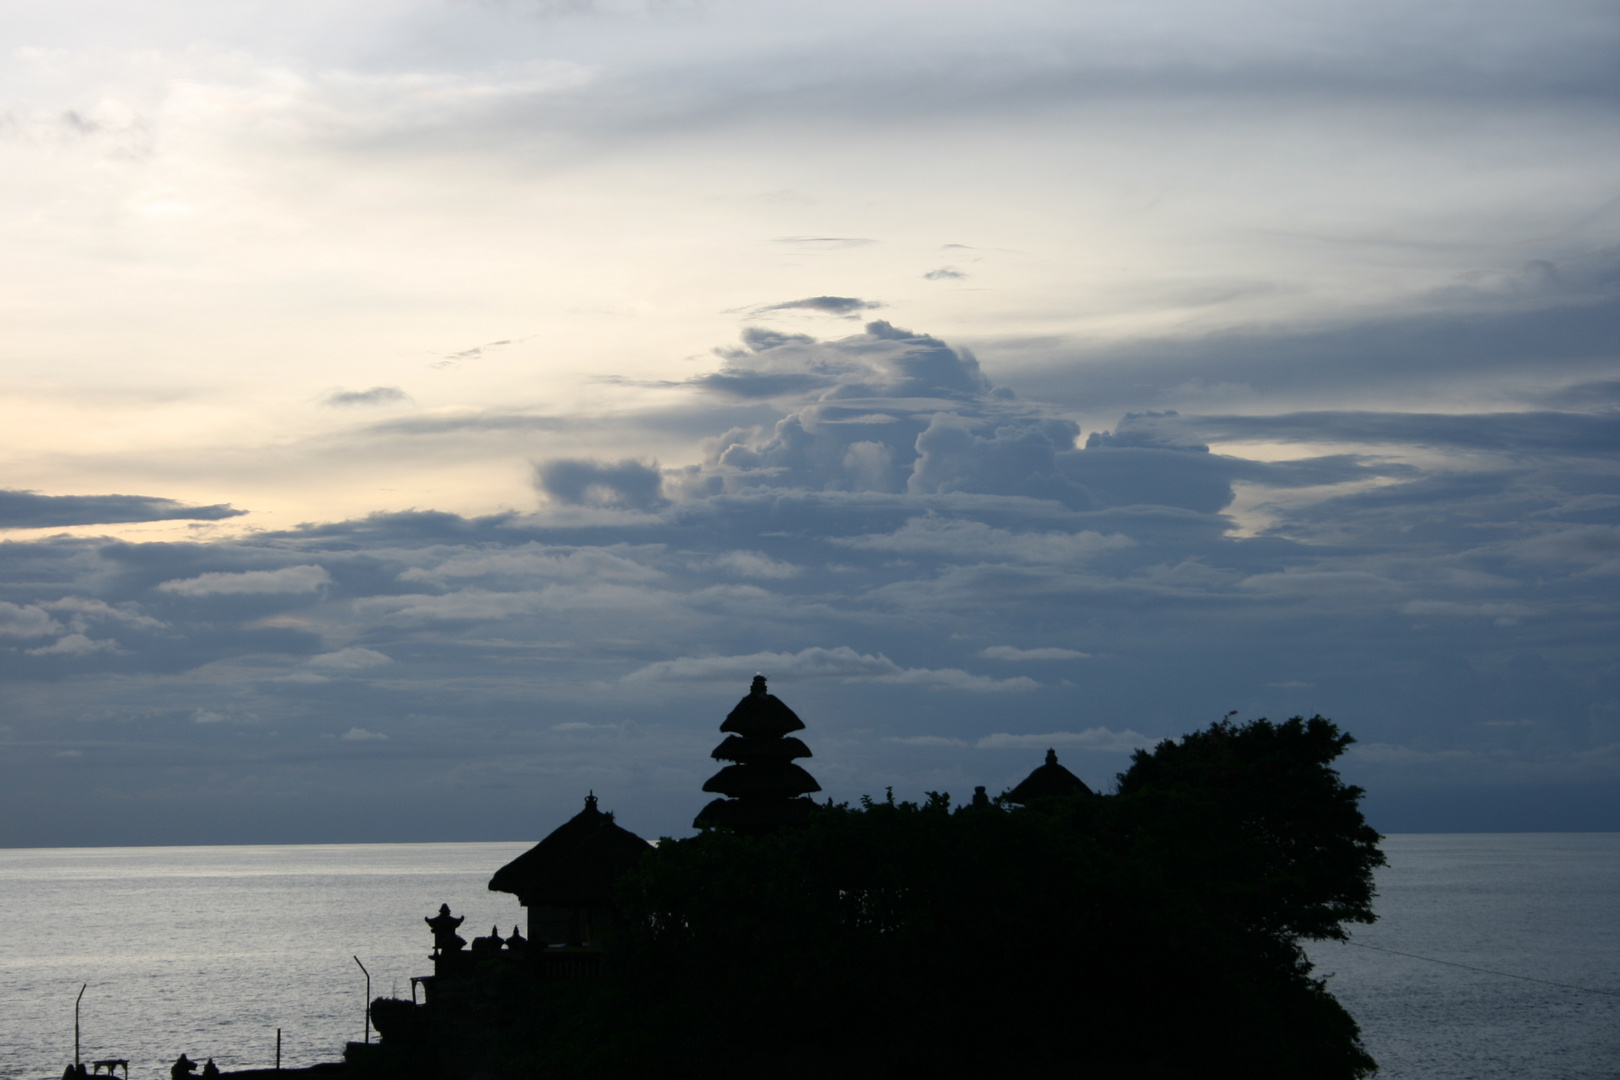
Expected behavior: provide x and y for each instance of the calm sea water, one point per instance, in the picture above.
(1544, 906)
(209, 950)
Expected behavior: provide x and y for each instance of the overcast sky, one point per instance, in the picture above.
(418, 414)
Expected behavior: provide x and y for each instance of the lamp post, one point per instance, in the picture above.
(76, 1026)
(368, 999)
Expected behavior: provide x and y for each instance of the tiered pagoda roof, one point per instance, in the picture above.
(765, 788)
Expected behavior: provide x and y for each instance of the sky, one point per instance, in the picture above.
(419, 414)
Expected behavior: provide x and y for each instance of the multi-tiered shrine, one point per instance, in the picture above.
(764, 789)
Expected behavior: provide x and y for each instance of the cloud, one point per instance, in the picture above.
(891, 500)
(30, 510)
(926, 740)
(848, 306)
(1476, 611)
(944, 273)
(968, 540)
(533, 561)
(353, 658)
(841, 663)
(377, 395)
(581, 482)
(1008, 652)
(883, 362)
(755, 564)
(81, 611)
(75, 645)
(291, 580)
(360, 734)
(26, 621)
(455, 359)
(1100, 739)
(1526, 432)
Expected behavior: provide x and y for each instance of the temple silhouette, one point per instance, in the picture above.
(566, 883)
(764, 788)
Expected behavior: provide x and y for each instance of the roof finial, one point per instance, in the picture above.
(759, 684)
(1051, 756)
(590, 800)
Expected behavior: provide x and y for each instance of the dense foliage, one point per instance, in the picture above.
(1149, 933)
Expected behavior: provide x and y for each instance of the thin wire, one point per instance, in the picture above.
(1487, 971)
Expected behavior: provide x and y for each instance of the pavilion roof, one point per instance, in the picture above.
(576, 865)
(1048, 781)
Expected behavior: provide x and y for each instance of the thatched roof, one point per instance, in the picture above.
(576, 865)
(1048, 781)
(761, 715)
(737, 748)
(762, 780)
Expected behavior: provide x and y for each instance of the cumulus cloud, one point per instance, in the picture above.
(894, 411)
(917, 371)
(287, 580)
(841, 663)
(377, 395)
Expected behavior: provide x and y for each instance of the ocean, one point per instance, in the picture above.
(208, 950)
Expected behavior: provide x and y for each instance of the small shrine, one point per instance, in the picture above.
(566, 880)
(1048, 781)
(763, 789)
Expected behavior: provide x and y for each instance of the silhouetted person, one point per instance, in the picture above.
(210, 1070)
(443, 925)
(182, 1068)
